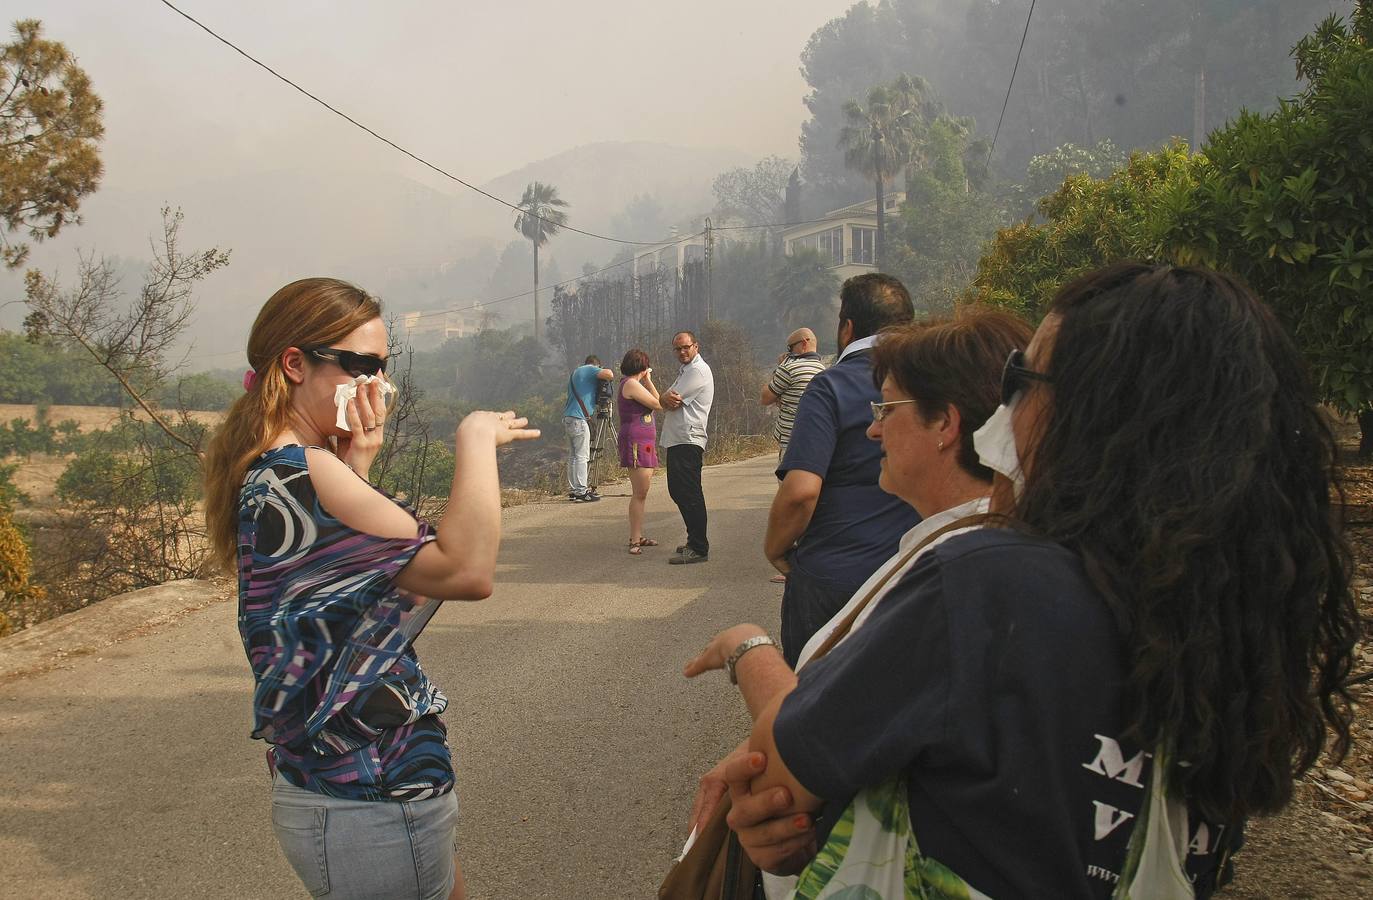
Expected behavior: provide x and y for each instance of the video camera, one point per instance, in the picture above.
(605, 391)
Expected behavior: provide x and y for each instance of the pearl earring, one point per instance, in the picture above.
(941, 445)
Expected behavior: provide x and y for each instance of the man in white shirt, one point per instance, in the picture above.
(686, 407)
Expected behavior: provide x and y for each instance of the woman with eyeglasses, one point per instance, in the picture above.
(940, 381)
(1092, 697)
(336, 580)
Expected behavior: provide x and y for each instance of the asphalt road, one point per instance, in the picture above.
(129, 773)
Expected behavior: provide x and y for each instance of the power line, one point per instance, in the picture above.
(1014, 69)
(388, 141)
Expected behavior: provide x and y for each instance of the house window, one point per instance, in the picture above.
(829, 244)
(864, 245)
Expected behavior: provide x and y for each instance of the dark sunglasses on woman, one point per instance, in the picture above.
(354, 364)
(1015, 374)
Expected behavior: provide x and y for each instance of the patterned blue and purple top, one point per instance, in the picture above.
(339, 693)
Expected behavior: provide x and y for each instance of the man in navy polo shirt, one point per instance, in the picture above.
(830, 525)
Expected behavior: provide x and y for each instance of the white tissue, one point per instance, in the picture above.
(347, 391)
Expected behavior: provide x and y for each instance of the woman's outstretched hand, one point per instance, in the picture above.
(719, 649)
(500, 427)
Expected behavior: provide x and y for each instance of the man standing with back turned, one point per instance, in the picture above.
(686, 407)
(830, 525)
(788, 382)
(581, 406)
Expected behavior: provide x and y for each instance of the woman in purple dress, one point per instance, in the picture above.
(638, 398)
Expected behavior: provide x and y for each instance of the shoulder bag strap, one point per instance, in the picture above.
(572, 389)
(841, 631)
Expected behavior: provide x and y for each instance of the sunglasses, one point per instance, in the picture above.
(354, 364)
(1015, 375)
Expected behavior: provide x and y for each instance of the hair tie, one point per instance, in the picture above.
(249, 379)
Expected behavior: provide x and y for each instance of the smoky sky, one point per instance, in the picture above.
(479, 88)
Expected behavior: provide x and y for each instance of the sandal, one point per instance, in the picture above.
(635, 549)
(647, 542)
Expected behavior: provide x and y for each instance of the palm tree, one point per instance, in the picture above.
(879, 140)
(541, 217)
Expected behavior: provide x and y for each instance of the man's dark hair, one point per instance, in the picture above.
(592, 360)
(874, 301)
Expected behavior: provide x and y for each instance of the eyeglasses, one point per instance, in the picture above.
(880, 411)
(683, 347)
(354, 364)
(1015, 374)
(794, 343)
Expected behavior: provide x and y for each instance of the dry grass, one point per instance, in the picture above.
(89, 418)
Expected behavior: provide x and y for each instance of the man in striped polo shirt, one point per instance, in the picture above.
(795, 369)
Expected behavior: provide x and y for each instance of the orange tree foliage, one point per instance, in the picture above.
(16, 593)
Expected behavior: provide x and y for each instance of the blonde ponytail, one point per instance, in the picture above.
(305, 313)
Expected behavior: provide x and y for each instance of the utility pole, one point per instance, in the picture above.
(710, 259)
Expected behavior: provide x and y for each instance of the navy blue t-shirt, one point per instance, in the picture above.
(992, 675)
(856, 525)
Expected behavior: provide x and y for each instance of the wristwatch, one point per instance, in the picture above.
(761, 640)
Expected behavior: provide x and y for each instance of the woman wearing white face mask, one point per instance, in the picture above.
(1090, 701)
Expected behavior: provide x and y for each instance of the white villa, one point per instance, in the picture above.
(848, 238)
(434, 327)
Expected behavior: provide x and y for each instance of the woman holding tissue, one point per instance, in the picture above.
(638, 439)
(1148, 644)
(336, 580)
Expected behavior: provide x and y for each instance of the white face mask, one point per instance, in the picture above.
(995, 446)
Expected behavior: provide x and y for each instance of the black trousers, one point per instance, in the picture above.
(684, 487)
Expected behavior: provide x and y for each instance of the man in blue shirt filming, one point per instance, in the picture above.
(581, 406)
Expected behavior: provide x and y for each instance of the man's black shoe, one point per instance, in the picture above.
(589, 497)
(688, 556)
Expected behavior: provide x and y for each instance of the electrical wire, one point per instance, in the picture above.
(1014, 69)
(391, 143)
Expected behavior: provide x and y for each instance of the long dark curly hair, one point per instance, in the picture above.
(1184, 457)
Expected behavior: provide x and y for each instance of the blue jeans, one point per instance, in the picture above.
(364, 849)
(579, 452)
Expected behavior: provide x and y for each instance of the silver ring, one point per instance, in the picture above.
(370, 427)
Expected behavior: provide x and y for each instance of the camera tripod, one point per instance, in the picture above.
(602, 436)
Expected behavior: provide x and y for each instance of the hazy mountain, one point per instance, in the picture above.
(417, 246)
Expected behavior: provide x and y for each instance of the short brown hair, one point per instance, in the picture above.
(953, 362)
(635, 361)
